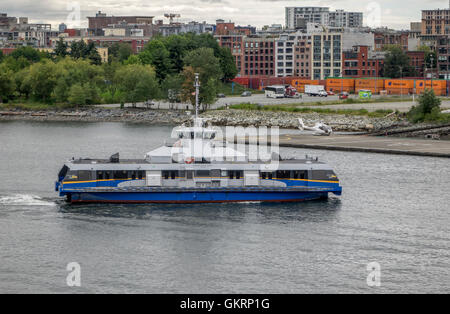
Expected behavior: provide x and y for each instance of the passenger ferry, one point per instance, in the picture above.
(195, 169)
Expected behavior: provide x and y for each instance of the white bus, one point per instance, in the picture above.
(276, 91)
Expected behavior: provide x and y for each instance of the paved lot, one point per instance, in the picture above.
(261, 99)
(372, 144)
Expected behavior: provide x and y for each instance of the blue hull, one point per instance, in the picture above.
(193, 197)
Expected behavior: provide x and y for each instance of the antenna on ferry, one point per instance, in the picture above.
(197, 87)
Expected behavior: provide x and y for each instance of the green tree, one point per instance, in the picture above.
(42, 80)
(119, 51)
(227, 64)
(28, 53)
(177, 47)
(7, 85)
(78, 49)
(77, 95)
(61, 48)
(429, 104)
(157, 55)
(397, 63)
(171, 87)
(1, 56)
(203, 61)
(136, 83)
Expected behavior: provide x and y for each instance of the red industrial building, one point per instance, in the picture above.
(417, 61)
(362, 62)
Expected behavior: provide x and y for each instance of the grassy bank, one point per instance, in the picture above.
(35, 106)
(285, 108)
(350, 101)
(228, 90)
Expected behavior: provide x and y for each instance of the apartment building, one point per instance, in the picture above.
(436, 22)
(258, 57)
(298, 17)
(341, 18)
(443, 57)
(326, 55)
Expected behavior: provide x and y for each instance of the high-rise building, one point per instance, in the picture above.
(298, 17)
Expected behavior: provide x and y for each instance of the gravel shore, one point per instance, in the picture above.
(286, 120)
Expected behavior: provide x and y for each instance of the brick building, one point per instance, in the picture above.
(417, 61)
(384, 38)
(361, 61)
(101, 21)
(258, 56)
(302, 57)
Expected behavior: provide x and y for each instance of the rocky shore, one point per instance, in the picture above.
(342, 123)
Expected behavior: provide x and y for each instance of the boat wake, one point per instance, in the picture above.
(24, 200)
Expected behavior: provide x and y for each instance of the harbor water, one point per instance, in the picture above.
(395, 211)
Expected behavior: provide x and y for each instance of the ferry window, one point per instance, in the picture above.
(132, 175)
(71, 176)
(263, 175)
(202, 173)
(215, 173)
(140, 175)
(165, 174)
(189, 175)
(270, 175)
(239, 174)
(107, 175)
(173, 175)
(84, 175)
(298, 174)
(100, 175)
(231, 174)
(120, 175)
(324, 175)
(283, 174)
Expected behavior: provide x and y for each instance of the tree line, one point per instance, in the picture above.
(74, 74)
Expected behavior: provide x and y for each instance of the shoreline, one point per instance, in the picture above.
(391, 125)
(229, 117)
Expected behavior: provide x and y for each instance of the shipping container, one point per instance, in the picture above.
(340, 85)
(399, 86)
(439, 86)
(375, 85)
(299, 84)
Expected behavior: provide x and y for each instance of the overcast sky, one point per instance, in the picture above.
(393, 13)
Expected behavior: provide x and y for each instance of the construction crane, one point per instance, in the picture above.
(171, 16)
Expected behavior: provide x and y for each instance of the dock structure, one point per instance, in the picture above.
(368, 144)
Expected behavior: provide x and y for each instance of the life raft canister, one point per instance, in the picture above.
(190, 160)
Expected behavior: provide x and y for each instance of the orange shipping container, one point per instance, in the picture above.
(374, 85)
(299, 84)
(399, 84)
(437, 85)
(340, 84)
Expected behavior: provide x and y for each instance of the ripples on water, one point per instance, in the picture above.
(394, 211)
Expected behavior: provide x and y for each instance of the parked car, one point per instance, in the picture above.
(343, 95)
(246, 94)
(221, 96)
(330, 93)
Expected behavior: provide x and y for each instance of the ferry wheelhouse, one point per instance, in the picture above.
(195, 169)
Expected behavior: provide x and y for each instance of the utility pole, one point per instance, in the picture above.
(432, 68)
(401, 82)
(197, 90)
